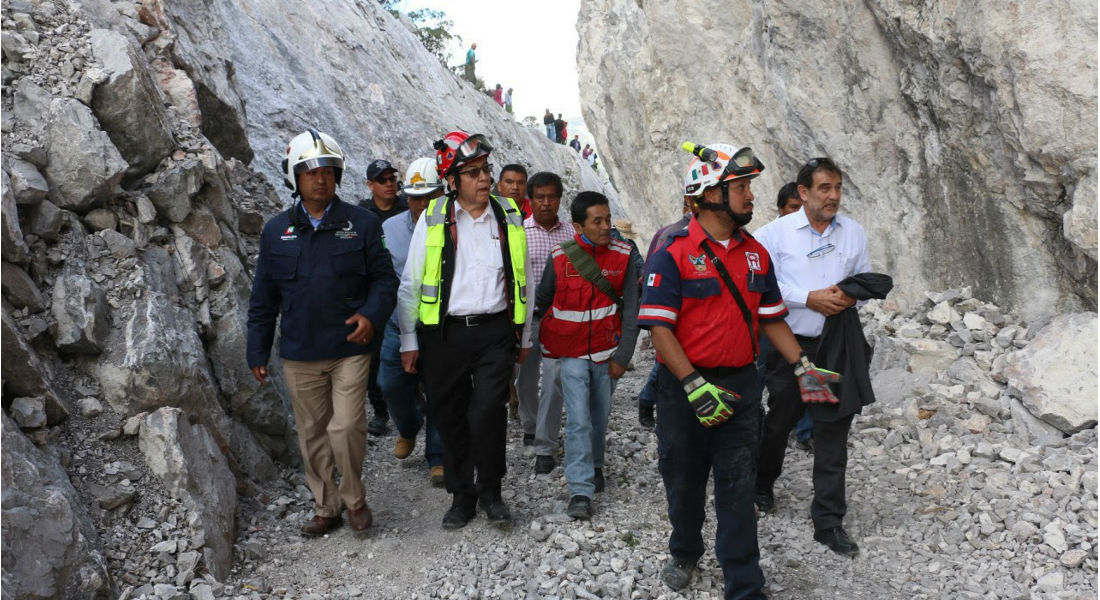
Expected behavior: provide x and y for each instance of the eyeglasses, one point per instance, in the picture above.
(820, 251)
(477, 171)
(386, 180)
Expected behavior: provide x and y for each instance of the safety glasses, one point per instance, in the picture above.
(743, 162)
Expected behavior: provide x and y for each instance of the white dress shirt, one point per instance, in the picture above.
(806, 260)
(478, 284)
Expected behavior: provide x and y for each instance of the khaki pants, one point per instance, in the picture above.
(329, 410)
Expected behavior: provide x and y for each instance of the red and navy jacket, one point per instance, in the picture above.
(684, 292)
(581, 321)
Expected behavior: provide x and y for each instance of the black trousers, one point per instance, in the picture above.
(830, 442)
(466, 370)
(374, 391)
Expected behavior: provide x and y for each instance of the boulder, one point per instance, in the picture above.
(29, 413)
(117, 244)
(1055, 374)
(24, 373)
(29, 103)
(83, 166)
(46, 220)
(930, 356)
(100, 218)
(20, 289)
(170, 190)
(129, 105)
(186, 458)
(12, 245)
(49, 545)
(27, 184)
(80, 309)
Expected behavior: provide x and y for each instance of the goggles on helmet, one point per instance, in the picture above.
(742, 163)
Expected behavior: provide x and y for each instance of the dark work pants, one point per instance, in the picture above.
(466, 372)
(374, 391)
(688, 452)
(830, 442)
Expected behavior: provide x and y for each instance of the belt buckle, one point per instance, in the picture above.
(470, 320)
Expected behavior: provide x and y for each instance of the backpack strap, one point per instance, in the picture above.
(587, 267)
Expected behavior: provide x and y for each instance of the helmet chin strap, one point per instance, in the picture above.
(738, 220)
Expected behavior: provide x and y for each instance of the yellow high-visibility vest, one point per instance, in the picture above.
(435, 218)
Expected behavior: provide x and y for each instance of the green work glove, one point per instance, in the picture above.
(813, 382)
(710, 402)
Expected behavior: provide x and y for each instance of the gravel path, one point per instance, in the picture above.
(998, 519)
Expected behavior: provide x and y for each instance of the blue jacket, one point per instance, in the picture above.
(316, 279)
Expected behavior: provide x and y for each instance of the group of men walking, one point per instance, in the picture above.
(465, 282)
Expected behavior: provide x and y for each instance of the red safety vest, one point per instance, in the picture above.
(583, 322)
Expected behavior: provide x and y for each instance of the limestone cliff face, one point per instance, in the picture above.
(967, 130)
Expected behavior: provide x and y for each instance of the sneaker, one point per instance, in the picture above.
(378, 425)
(645, 417)
(435, 475)
(599, 480)
(403, 447)
(765, 501)
(544, 464)
(580, 507)
(677, 573)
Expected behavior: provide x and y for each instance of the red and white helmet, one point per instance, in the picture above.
(731, 163)
(308, 151)
(458, 148)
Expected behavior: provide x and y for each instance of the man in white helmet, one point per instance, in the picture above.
(708, 290)
(422, 184)
(323, 267)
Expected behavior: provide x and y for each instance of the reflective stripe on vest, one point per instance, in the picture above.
(435, 218)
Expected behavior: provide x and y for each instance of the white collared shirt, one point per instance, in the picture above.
(806, 260)
(478, 284)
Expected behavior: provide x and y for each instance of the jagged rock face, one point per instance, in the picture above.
(50, 547)
(966, 130)
(350, 70)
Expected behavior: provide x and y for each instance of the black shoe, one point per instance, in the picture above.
(837, 540)
(765, 501)
(378, 425)
(459, 515)
(645, 416)
(599, 480)
(580, 507)
(677, 573)
(544, 464)
(496, 510)
(528, 439)
(807, 445)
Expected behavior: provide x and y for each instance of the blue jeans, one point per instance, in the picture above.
(648, 396)
(804, 429)
(586, 386)
(399, 389)
(687, 453)
(551, 132)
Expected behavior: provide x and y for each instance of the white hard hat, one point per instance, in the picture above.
(308, 151)
(731, 163)
(422, 178)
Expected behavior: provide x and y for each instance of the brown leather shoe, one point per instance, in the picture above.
(403, 447)
(435, 475)
(318, 526)
(360, 519)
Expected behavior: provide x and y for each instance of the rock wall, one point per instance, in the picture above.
(967, 130)
(141, 151)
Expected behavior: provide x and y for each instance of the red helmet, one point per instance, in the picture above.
(458, 148)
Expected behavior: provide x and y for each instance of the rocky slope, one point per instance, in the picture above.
(967, 130)
(141, 143)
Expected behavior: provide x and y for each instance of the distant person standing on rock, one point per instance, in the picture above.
(708, 290)
(559, 130)
(814, 249)
(586, 152)
(498, 95)
(471, 60)
(323, 266)
(575, 143)
(462, 306)
(508, 101)
(548, 123)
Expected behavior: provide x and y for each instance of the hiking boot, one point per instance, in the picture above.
(765, 501)
(645, 417)
(435, 475)
(580, 507)
(599, 481)
(318, 526)
(403, 447)
(378, 425)
(544, 464)
(496, 510)
(677, 573)
(460, 513)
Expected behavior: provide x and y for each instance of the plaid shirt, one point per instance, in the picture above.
(540, 243)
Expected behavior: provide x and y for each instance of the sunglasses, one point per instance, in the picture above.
(477, 171)
(386, 180)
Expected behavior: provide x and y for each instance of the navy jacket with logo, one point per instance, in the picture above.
(316, 279)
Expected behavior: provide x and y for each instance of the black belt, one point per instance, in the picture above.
(807, 339)
(475, 320)
(708, 372)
